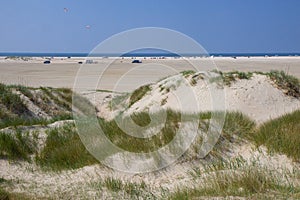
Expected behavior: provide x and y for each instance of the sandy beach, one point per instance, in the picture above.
(62, 71)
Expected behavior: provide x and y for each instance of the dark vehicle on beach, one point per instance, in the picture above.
(136, 61)
(47, 62)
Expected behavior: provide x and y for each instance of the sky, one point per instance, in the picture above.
(220, 26)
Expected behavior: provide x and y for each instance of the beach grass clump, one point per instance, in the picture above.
(288, 83)
(18, 145)
(238, 124)
(16, 121)
(134, 144)
(64, 150)
(12, 101)
(14, 112)
(24, 90)
(187, 73)
(51, 94)
(133, 190)
(236, 128)
(281, 135)
(66, 94)
(139, 94)
(248, 181)
(4, 195)
(114, 185)
(229, 77)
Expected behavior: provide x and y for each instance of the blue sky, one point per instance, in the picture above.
(220, 26)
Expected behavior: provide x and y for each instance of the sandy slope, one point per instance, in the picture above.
(259, 97)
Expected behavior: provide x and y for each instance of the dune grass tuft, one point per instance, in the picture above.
(281, 135)
(229, 77)
(64, 150)
(138, 94)
(14, 112)
(134, 144)
(130, 189)
(12, 101)
(288, 83)
(242, 180)
(17, 145)
(187, 73)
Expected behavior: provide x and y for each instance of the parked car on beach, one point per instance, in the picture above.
(136, 61)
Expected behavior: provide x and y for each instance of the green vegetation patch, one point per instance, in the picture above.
(187, 73)
(17, 145)
(13, 111)
(135, 144)
(238, 178)
(281, 135)
(12, 101)
(51, 94)
(228, 77)
(64, 150)
(129, 190)
(289, 84)
(139, 94)
(238, 124)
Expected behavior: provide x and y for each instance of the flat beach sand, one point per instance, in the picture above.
(62, 71)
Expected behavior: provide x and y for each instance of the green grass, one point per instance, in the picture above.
(114, 185)
(24, 90)
(12, 101)
(16, 121)
(187, 73)
(13, 112)
(66, 94)
(64, 150)
(238, 124)
(288, 83)
(17, 145)
(138, 94)
(133, 190)
(50, 93)
(134, 144)
(236, 127)
(228, 77)
(281, 135)
(252, 183)
(4, 195)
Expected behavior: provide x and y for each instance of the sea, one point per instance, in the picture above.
(160, 54)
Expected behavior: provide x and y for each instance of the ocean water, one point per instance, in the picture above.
(160, 54)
